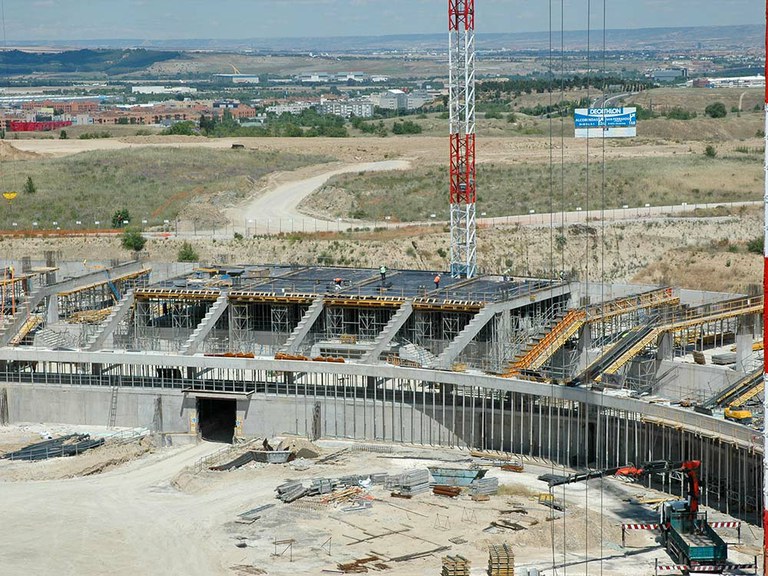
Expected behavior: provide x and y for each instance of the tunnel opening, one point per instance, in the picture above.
(217, 417)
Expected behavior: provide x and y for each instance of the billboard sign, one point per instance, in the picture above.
(605, 122)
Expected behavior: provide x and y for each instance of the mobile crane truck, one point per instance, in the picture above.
(686, 534)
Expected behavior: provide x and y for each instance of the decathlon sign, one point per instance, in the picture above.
(605, 122)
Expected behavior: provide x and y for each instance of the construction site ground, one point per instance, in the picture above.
(157, 511)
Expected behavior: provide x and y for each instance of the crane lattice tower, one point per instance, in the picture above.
(461, 61)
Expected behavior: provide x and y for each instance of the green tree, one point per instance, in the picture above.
(63, 135)
(120, 217)
(716, 110)
(29, 186)
(710, 151)
(185, 128)
(133, 240)
(187, 253)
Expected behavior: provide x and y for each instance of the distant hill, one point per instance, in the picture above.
(109, 62)
(705, 38)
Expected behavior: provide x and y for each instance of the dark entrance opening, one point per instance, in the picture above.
(216, 418)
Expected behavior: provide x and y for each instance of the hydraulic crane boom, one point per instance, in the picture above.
(687, 535)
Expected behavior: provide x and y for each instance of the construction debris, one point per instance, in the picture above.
(456, 566)
(70, 445)
(361, 565)
(501, 561)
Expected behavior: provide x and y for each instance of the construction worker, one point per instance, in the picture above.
(383, 272)
(337, 283)
(437, 281)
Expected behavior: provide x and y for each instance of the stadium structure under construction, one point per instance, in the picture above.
(582, 375)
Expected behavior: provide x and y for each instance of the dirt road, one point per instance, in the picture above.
(279, 202)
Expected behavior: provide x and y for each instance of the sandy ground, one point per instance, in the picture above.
(151, 516)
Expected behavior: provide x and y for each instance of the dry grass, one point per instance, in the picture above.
(518, 188)
(153, 183)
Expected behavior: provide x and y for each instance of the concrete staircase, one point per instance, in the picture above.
(206, 324)
(397, 321)
(47, 338)
(294, 341)
(452, 351)
(120, 311)
(415, 353)
(12, 325)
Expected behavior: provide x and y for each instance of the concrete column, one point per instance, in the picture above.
(665, 346)
(584, 345)
(242, 413)
(52, 315)
(744, 337)
(3, 406)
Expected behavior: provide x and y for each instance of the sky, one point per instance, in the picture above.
(26, 20)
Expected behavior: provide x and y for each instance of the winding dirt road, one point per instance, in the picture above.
(279, 202)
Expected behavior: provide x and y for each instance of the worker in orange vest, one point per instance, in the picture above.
(437, 281)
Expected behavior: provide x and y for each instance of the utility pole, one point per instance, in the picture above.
(463, 194)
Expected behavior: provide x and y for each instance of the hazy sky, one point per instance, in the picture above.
(159, 19)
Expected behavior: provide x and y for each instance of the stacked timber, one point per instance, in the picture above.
(456, 566)
(449, 491)
(501, 561)
(485, 486)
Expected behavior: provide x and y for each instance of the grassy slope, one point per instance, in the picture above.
(153, 183)
(518, 188)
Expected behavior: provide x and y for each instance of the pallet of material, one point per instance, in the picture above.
(501, 561)
(484, 486)
(456, 566)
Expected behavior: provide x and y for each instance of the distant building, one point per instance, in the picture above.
(733, 82)
(163, 90)
(290, 108)
(352, 76)
(314, 78)
(670, 75)
(418, 98)
(65, 106)
(391, 100)
(235, 79)
(399, 100)
(361, 108)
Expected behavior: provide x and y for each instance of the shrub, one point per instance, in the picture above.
(120, 217)
(29, 186)
(710, 151)
(238, 236)
(133, 240)
(716, 110)
(187, 253)
(755, 246)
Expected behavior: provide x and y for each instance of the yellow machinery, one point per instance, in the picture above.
(735, 411)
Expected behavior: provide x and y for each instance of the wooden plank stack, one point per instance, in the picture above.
(501, 561)
(456, 566)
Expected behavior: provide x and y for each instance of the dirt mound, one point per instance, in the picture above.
(9, 152)
(301, 448)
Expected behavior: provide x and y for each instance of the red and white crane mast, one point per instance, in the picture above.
(765, 318)
(461, 62)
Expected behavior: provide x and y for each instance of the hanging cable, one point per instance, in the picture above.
(586, 275)
(602, 273)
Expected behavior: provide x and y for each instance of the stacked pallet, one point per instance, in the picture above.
(456, 566)
(414, 482)
(501, 561)
(485, 486)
